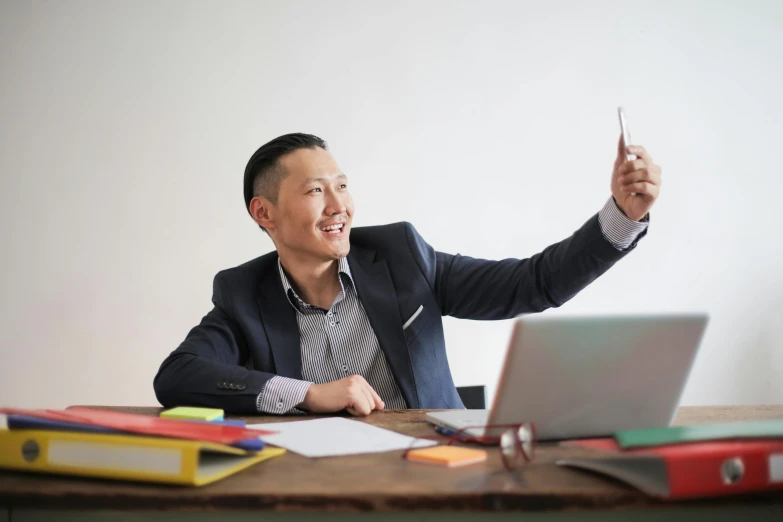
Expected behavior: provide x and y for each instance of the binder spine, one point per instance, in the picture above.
(723, 471)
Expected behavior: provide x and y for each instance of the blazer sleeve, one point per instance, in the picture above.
(208, 368)
(471, 288)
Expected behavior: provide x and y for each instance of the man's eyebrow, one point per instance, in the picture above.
(322, 179)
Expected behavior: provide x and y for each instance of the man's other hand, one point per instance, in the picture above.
(352, 393)
(635, 184)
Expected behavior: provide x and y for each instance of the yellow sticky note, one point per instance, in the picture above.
(190, 413)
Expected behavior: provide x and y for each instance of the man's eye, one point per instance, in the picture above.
(313, 190)
(343, 185)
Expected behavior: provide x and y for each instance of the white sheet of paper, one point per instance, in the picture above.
(335, 436)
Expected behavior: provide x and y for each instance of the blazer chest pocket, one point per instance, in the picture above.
(414, 324)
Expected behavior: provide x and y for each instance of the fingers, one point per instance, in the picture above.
(353, 394)
(641, 188)
(639, 170)
(641, 153)
(360, 404)
(373, 399)
(355, 412)
(368, 397)
(379, 405)
(362, 398)
(643, 159)
(362, 401)
(646, 174)
(630, 166)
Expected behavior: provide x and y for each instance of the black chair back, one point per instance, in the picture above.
(474, 397)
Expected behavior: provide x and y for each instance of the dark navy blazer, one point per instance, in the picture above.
(251, 334)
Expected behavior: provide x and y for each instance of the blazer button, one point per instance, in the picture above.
(241, 387)
(232, 386)
(221, 385)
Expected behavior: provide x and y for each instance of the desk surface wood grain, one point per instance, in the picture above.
(377, 482)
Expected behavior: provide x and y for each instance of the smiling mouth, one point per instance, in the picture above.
(334, 230)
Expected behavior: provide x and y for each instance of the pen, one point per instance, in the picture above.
(448, 432)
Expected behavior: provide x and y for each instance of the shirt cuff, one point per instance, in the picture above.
(620, 231)
(281, 395)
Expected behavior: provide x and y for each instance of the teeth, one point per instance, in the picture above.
(338, 226)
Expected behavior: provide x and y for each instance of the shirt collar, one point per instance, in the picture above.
(343, 272)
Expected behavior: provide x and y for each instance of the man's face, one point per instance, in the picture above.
(314, 208)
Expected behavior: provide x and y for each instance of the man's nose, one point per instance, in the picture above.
(335, 204)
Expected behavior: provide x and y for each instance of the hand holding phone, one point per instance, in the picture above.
(636, 179)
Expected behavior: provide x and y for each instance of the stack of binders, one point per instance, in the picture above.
(105, 444)
(690, 461)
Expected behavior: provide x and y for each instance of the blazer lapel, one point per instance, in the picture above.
(279, 319)
(376, 292)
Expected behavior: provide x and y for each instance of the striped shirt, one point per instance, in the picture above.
(334, 344)
(340, 342)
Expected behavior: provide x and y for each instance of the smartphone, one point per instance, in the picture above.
(626, 133)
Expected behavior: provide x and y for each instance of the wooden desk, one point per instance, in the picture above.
(292, 487)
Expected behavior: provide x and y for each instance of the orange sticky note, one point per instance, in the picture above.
(451, 456)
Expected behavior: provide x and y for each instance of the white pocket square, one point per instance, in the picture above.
(413, 317)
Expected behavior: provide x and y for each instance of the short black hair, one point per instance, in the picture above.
(263, 174)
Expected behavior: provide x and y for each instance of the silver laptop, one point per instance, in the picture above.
(589, 376)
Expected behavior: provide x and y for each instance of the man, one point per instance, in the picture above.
(339, 319)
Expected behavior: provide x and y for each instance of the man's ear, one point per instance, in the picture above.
(262, 211)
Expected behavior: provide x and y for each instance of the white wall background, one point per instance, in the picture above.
(125, 128)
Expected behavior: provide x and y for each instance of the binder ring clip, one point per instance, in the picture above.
(732, 470)
(30, 451)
